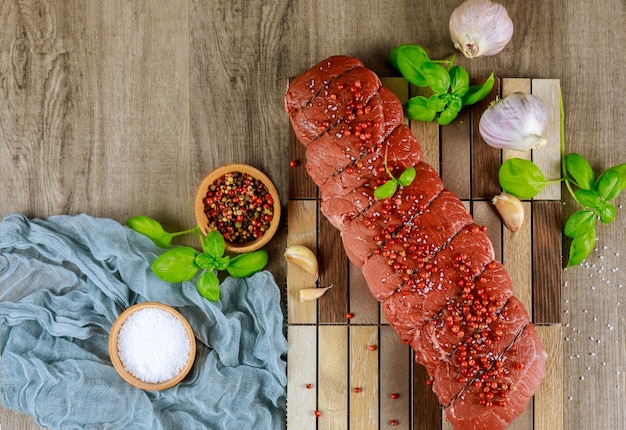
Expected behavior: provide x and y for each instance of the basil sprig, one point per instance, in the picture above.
(525, 180)
(389, 188)
(183, 263)
(449, 85)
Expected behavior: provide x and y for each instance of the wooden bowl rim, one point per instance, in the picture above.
(220, 171)
(117, 362)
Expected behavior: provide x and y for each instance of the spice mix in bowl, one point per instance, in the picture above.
(242, 203)
(152, 346)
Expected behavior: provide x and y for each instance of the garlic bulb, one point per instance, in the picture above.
(519, 121)
(480, 27)
(510, 209)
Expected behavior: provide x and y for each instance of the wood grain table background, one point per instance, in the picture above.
(118, 108)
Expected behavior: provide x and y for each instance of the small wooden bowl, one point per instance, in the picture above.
(202, 219)
(117, 362)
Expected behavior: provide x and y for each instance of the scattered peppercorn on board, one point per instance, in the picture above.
(347, 368)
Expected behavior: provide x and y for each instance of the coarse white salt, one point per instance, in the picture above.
(153, 345)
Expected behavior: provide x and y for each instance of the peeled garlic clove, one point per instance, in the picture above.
(510, 209)
(480, 27)
(519, 121)
(308, 294)
(303, 257)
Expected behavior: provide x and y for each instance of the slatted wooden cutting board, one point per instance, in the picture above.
(344, 360)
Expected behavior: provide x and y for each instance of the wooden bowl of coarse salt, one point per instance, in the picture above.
(152, 346)
(242, 203)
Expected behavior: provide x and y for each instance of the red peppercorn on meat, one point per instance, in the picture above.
(423, 257)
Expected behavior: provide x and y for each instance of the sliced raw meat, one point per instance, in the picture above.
(394, 260)
(341, 209)
(344, 154)
(475, 312)
(406, 250)
(429, 231)
(305, 87)
(408, 201)
(456, 265)
(363, 235)
(476, 354)
(393, 111)
(471, 361)
(381, 279)
(404, 152)
(502, 393)
(341, 101)
(344, 143)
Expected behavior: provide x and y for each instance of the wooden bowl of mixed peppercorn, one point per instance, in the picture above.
(242, 203)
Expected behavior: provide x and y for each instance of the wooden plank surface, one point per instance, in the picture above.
(548, 158)
(364, 381)
(546, 262)
(302, 374)
(456, 155)
(333, 271)
(485, 159)
(549, 397)
(384, 386)
(133, 89)
(395, 385)
(332, 367)
(302, 221)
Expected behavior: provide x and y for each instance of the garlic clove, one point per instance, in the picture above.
(480, 27)
(519, 121)
(510, 209)
(303, 257)
(309, 294)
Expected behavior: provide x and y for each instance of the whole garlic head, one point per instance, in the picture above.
(519, 121)
(480, 27)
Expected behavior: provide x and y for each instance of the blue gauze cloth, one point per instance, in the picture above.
(65, 280)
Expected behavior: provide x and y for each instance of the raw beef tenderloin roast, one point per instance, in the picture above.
(421, 253)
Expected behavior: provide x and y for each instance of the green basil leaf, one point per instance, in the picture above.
(214, 244)
(476, 93)
(222, 263)
(386, 190)
(621, 169)
(522, 178)
(152, 229)
(437, 102)
(455, 102)
(437, 77)
(608, 185)
(417, 108)
(247, 264)
(407, 60)
(208, 262)
(407, 177)
(176, 264)
(205, 261)
(209, 286)
(579, 223)
(608, 213)
(459, 80)
(581, 247)
(580, 169)
(447, 116)
(587, 198)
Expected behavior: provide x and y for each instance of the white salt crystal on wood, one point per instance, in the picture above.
(153, 345)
